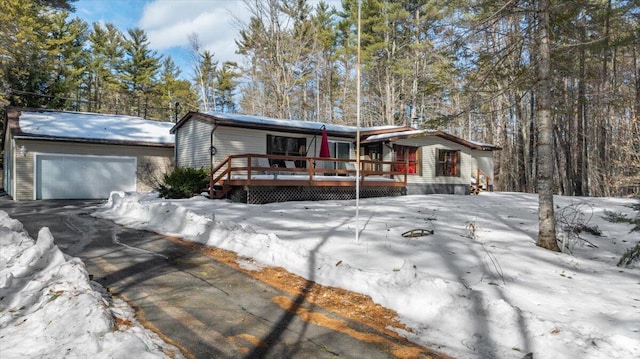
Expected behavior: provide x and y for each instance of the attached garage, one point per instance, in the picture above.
(95, 176)
(71, 155)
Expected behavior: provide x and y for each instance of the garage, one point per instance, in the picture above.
(83, 177)
(50, 154)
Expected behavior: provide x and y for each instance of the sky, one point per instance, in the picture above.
(168, 23)
(476, 287)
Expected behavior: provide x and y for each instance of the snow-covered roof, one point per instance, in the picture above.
(259, 120)
(94, 126)
(305, 126)
(392, 136)
(369, 134)
(386, 136)
(482, 144)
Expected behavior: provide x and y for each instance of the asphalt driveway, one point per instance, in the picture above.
(204, 307)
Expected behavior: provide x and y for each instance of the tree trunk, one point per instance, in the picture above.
(531, 163)
(636, 67)
(546, 219)
(578, 178)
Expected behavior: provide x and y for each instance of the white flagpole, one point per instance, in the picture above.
(358, 128)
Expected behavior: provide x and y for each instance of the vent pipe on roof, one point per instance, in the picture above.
(176, 109)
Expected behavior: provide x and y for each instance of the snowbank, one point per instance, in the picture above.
(477, 288)
(50, 308)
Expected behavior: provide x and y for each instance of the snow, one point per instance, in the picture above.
(310, 125)
(423, 133)
(385, 136)
(49, 307)
(81, 125)
(477, 288)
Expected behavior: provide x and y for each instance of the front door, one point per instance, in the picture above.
(373, 152)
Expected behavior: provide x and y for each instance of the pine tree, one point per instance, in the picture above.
(204, 69)
(227, 81)
(68, 61)
(279, 42)
(139, 72)
(544, 123)
(177, 96)
(106, 55)
(25, 60)
(325, 73)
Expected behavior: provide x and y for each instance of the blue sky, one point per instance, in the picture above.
(168, 23)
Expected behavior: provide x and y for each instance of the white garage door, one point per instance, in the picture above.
(83, 177)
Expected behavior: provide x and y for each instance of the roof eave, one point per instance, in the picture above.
(257, 126)
(184, 119)
(440, 134)
(26, 136)
(383, 131)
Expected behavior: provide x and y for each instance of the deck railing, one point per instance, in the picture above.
(272, 170)
(480, 184)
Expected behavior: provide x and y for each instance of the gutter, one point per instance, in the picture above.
(93, 140)
(212, 148)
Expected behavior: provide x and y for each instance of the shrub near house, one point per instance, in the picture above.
(184, 182)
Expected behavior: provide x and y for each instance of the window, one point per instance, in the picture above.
(373, 152)
(285, 146)
(337, 150)
(447, 163)
(404, 154)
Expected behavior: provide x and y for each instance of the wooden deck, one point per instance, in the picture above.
(272, 172)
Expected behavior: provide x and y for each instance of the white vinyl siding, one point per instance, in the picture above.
(238, 141)
(427, 156)
(23, 172)
(482, 160)
(193, 141)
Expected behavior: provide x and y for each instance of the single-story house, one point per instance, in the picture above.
(434, 161)
(72, 155)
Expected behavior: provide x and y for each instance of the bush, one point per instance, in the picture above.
(184, 182)
(630, 256)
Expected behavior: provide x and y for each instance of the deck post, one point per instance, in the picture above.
(311, 169)
(249, 164)
(211, 190)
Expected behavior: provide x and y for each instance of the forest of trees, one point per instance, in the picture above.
(468, 67)
(50, 58)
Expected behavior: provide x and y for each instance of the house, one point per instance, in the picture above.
(439, 162)
(418, 161)
(72, 155)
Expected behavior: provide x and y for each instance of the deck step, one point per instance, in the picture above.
(220, 191)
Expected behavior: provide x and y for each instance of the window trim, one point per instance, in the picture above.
(401, 152)
(453, 169)
(301, 145)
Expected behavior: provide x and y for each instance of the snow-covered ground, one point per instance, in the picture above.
(478, 287)
(50, 309)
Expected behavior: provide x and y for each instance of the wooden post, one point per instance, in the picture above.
(211, 190)
(249, 165)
